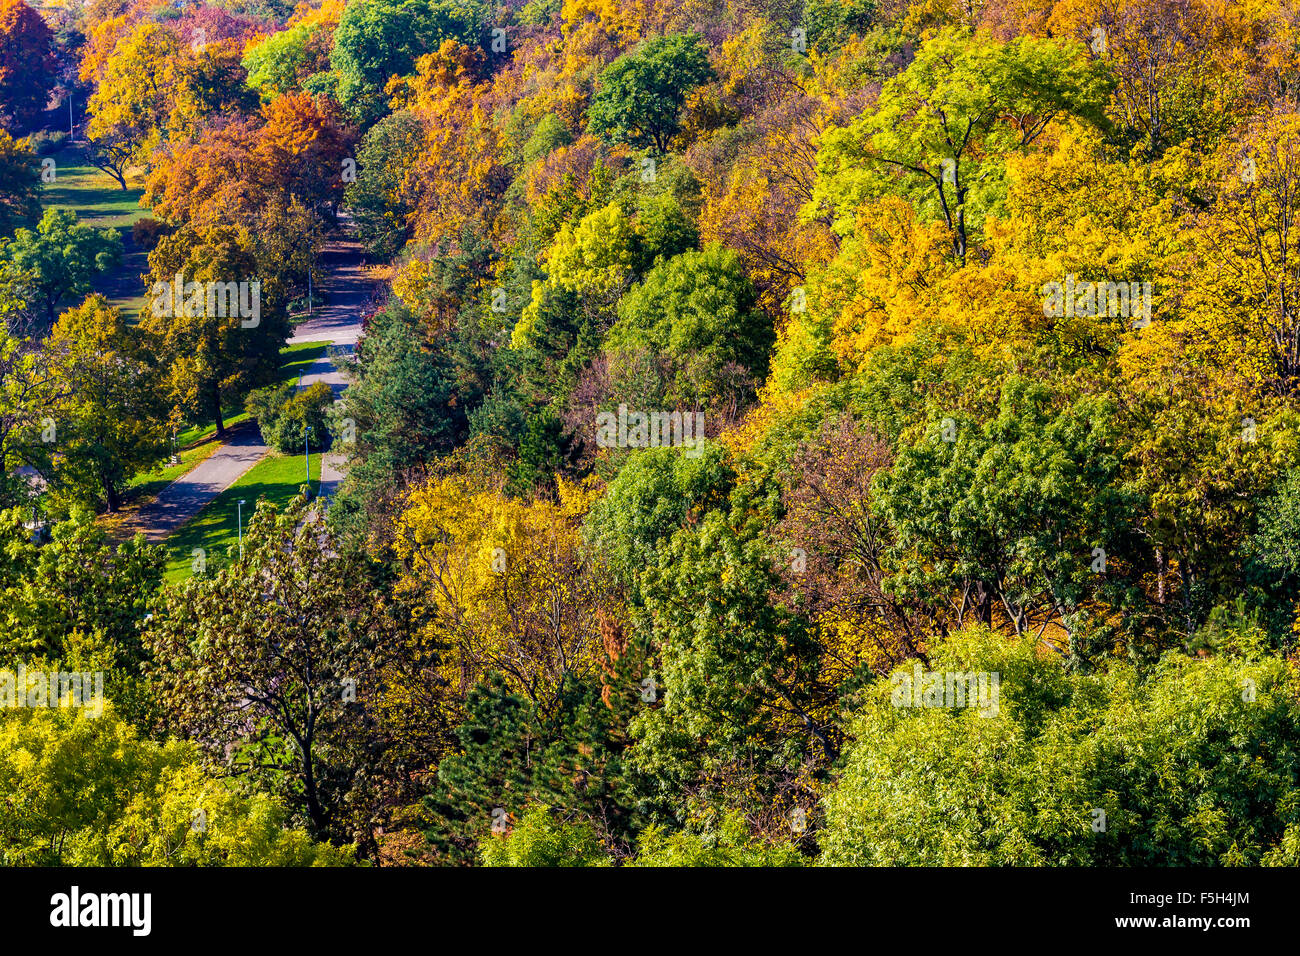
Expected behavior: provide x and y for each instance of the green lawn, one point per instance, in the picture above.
(198, 441)
(276, 478)
(93, 195)
(296, 359)
(98, 200)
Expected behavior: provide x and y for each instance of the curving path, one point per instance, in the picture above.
(338, 323)
(185, 497)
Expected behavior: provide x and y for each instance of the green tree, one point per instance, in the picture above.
(290, 681)
(541, 454)
(376, 200)
(284, 413)
(283, 60)
(30, 384)
(730, 845)
(1190, 764)
(639, 97)
(395, 418)
(1277, 543)
(61, 257)
(78, 582)
(656, 492)
(698, 309)
(1019, 520)
(514, 754)
(112, 423)
(744, 717)
(942, 129)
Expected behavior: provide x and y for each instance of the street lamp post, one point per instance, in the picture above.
(306, 455)
(239, 521)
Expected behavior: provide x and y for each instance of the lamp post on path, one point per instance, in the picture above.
(306, 455)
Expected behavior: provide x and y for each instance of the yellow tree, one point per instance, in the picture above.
(460, 173)
(1250, 278)
(506, 583)
(141, 93)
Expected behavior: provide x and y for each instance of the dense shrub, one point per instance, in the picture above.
(283, 413)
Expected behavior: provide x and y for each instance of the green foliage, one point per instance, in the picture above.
(657, 492)
(639, 97)
(1020, 515)
(79, 582)
(743, 716)
(538, 839)
(943, 128)
(1193, 764)
(379, 39)
(285, 412)
(402, 412)
(275, 65)
(1276, 546)
(289, 681)
(514, 754)
(830, 23)
(61, 257)
(376, 198)
(549, 134)
(541, 454)
(698, 309)
(731, 845)
(88, 791)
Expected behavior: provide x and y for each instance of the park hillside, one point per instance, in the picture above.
(769, 432)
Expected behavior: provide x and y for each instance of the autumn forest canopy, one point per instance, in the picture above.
(780, 432)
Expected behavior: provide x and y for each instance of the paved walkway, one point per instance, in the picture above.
(185, 497)
(339, 324)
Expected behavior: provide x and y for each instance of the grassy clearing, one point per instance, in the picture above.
(276, 477)
(93, 195)
(99, 201)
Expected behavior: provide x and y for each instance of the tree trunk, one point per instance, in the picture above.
(309, 786)
(216, 410)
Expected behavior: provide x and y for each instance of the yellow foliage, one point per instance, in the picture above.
(506, 582)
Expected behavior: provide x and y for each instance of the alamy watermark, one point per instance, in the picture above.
(657, 429)
(975, 689)
(25, 688)
(212, 299)
(1129, 300)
